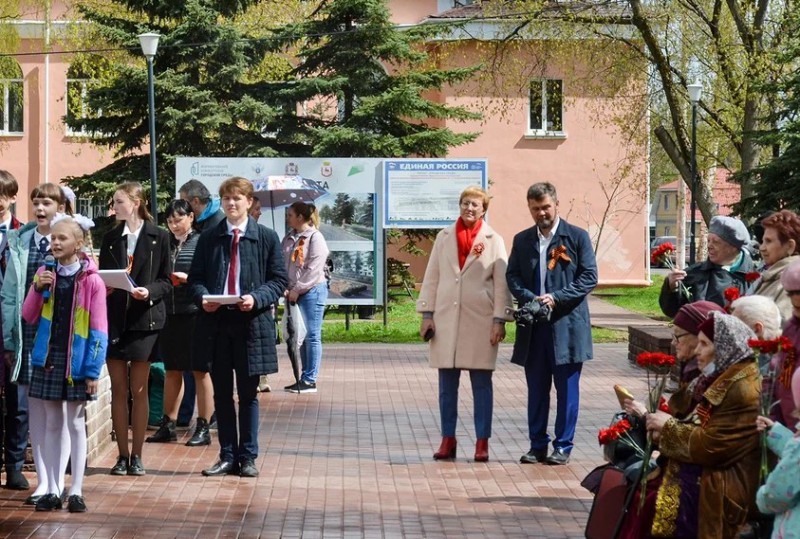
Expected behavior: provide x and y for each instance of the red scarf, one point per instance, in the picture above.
(466, 237)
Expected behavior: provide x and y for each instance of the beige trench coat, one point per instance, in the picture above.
(769, 285)
(465, 302)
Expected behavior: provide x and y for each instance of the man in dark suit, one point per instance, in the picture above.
(552, 264)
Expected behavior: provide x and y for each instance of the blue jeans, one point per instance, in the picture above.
(482, 397)
(312, 306)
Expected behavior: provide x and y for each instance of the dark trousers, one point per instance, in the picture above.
(230, 359)
(541, 372)
(16, 426)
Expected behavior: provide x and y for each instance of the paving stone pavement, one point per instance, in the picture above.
(355, 460)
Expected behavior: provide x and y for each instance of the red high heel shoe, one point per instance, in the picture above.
(482, 450)
(447, 450)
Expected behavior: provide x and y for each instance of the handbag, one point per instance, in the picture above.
(618, 452)
(608, 505)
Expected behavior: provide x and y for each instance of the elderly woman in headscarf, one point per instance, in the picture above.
(717, 443)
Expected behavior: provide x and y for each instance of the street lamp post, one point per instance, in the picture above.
(695, 92)
(149, 43)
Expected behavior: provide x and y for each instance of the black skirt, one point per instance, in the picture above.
(134, 346)
(175, 343)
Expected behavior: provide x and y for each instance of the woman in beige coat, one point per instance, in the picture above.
(465, 303)
(779, 248)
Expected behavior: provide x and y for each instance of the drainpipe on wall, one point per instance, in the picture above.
(46, 148)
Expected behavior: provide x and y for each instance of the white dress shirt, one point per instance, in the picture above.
(544, 243)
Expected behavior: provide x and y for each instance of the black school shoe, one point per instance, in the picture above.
(121, 467)
(49, 502)
(247, 468)
(76, 504)
(136, 467)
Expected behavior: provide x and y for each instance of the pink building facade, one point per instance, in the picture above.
(549, 131)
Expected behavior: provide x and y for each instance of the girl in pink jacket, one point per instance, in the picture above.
(68, 301)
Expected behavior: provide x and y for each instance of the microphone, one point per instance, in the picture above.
(49, 265)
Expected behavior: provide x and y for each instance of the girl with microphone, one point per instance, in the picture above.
(67, 304)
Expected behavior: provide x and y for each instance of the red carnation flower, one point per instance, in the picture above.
(752, 276)
(663, 406)
(731, 294)
(658, 360)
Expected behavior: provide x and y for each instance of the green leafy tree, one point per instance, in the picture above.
(209, 99)
(776, 183)
(343, 209)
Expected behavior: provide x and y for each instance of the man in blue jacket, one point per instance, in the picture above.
(552, 264)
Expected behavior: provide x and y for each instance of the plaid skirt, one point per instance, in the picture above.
(51, 385)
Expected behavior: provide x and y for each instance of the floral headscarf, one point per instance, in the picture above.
(730, 344)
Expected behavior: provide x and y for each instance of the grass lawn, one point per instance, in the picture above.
(638, 300)
(403, 326)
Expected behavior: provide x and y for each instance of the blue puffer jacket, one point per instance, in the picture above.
(780, 495)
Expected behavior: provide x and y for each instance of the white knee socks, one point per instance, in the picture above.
(76, 424)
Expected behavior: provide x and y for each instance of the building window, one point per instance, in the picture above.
(77, 107)
(666, 202)
(546, 107)
(85, 73)
(667, 230)
(11, 100)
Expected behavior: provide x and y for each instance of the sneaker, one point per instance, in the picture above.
(302, 387)
(263, 384)
(136, 467)
(121, 467)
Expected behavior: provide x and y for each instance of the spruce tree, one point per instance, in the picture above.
(206, 101)
(362, 82)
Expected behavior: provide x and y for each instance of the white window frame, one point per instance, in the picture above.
(84, 90)
(4, 127)
(541, 131)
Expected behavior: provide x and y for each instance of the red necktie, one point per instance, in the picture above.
(234, 262)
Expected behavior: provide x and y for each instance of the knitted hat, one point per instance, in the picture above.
(691, 315)
(790, 278)
(730, 230)
(706, 327)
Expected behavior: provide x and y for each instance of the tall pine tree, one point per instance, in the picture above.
(362, 81)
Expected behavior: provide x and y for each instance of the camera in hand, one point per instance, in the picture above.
(532, 313)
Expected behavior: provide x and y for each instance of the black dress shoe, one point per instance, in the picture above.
(558, 457)
(15, 480)
(121, 467)
(534, 457)
(247, 468)
(49, 502)
(136, 467)
(221, 467)
(76, 504)
(33, 498)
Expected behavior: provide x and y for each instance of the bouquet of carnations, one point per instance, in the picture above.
(662, 254)
(657, 365)
(766, 381)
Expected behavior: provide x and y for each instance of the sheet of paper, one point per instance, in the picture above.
(117, 278)
(222, 299)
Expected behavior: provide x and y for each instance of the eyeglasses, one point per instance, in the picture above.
(677, 338)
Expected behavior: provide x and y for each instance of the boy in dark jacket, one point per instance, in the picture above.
(237, 257)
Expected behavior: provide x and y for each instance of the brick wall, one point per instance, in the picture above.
(98, 420)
